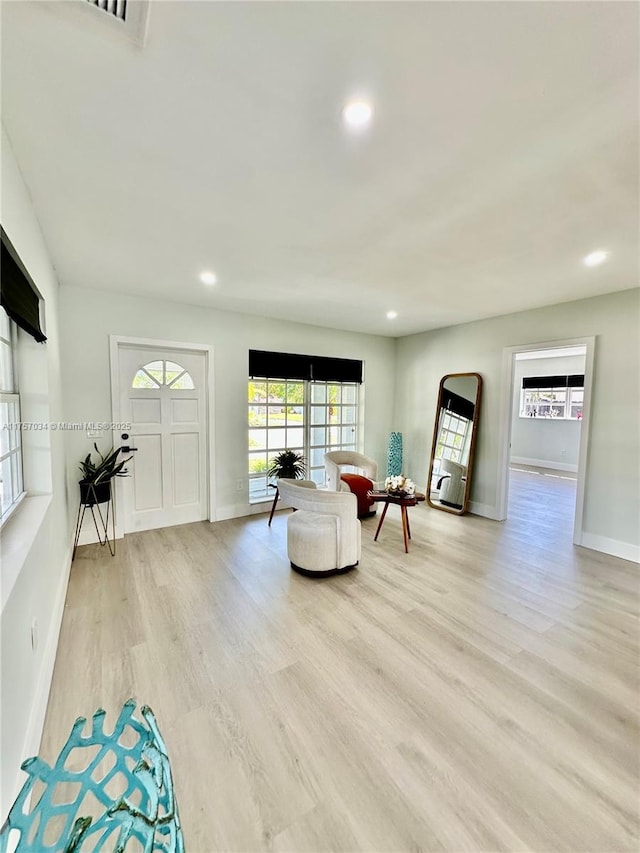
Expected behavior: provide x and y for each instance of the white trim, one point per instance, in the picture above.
(115, 342)
(624, 550)
(484, 510)
(35, 725)
(544, 463)
(240, 510)
(505, 424)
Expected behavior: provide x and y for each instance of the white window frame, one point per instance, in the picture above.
(339, 421)
(11, 448)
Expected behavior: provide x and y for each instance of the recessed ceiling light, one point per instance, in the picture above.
(595, 258)
(357, 113)
(208, 277)
(391, 315)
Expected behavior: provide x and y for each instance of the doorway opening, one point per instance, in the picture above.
(547, 391)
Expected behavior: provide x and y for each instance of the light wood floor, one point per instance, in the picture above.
(479, 693)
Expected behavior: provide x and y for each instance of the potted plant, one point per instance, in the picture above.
(287, 463)
(95, 485)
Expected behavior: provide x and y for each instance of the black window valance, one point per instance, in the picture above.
(457, 405)
(574, 381)
(18, 294)
(286, 365)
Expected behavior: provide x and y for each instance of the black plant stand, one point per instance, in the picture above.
(90, 498)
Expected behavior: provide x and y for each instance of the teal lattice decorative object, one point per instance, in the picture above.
(104, 791)
(394, 455)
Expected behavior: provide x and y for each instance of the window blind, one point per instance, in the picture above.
(285, 365)
(18, 294)
(458, 405)
(574, 381)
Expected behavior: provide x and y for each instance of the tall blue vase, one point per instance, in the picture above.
(394, 455)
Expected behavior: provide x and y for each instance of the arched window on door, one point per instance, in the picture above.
(158, 373)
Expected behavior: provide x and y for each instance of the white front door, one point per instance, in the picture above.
(163, 396)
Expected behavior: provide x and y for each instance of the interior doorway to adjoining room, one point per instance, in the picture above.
(546, 437)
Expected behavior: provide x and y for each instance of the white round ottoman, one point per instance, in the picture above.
(312, 544)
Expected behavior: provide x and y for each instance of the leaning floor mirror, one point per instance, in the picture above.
(454, 441)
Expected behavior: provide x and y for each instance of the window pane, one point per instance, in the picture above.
(348, 435)
(295, 393)
(16, 473)
(295, 437)
(317, 457)
(6, 487)
(334, 414)
(318, 414)
(257, 392)
(257, 439)
(317, 436)
(183, 383)
(156, 370)
(333, 436)
(5, 419)
(317, 475)
(276, 416)
(5, 325)
(143, 380)
(348, 415)
(276, 439)
(257, 463)
(318, 393)
(348, 393)
(276, 392)
(257, 415)
(6, 368)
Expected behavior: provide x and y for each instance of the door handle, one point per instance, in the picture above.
(126, 449)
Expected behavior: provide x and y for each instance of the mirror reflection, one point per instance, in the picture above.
(454, 441)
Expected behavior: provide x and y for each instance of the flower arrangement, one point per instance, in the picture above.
(400, 486)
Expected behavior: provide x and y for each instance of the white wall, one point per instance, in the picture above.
(36, 539)
(612, 489)
(89, 316)
(547, 442)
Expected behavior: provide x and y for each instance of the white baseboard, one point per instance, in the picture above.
(624, 550)
(544, 463)
(242, 509)
(484, 510)
(35, 725)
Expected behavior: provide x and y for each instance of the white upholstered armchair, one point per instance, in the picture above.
(334, 463)
(452, 483)
(323, 537)
(336, 460)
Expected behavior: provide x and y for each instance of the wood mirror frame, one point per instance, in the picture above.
(454, 400)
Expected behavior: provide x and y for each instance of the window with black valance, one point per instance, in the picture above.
(286, 365)
(18, 294)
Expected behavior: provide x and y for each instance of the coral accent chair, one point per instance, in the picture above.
(359, 484)
(323, 537)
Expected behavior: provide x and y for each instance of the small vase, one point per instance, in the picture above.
(394, 455)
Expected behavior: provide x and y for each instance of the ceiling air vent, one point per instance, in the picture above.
(127, 17)
(117, 8)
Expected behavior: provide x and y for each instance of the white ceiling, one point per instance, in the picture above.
(504, 148)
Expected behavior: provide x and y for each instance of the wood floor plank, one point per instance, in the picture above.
(479, 693)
